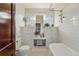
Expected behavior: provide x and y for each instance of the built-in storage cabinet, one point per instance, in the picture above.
(7, 43)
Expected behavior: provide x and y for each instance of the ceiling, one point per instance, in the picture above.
(56, 6)
(36, 5)
(59, 6)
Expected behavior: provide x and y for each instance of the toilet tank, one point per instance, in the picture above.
(18, 43)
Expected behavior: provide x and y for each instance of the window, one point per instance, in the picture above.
(31, 20)
(48, 19)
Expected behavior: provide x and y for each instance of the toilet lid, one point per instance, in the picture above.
(24, 47)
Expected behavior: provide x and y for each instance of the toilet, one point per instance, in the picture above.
(23, 50)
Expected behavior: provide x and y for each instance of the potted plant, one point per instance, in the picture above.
(46, 25)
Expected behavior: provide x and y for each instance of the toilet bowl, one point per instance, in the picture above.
(24, 50)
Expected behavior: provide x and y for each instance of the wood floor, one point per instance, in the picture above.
(39, 51)
(35, 51)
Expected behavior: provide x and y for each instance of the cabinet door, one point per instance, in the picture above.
(44, 42)
(35, 42)
(6, 27)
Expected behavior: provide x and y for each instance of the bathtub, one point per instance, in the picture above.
(60, 49)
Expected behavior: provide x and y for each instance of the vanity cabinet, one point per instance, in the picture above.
(39, 42)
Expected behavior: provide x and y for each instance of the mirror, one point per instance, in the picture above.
(4, 16)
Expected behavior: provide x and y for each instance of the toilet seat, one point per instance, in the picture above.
(25, 47)
(24, 50)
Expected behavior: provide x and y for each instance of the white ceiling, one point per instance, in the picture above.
(36, 5)
(57, 6)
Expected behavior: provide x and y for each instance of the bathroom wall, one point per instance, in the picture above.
(69, 29)
(27, 34)
(19, 23)
(51, 34)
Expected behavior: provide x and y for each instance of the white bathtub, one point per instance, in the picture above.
(59, 49)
